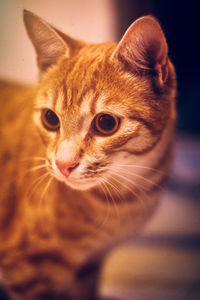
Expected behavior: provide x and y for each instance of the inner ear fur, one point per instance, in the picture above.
(49, 43)
(143, 49)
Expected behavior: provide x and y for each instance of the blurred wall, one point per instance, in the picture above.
(89, 20)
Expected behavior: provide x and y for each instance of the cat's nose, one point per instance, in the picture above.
(66, 167)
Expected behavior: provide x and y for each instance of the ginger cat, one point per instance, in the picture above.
(83, 156)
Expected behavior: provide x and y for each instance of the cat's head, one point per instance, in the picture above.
(100, 107)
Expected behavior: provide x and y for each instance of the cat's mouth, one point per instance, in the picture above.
(77, 179)
(74, 181)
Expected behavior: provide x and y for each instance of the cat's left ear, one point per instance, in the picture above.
(49, 43)
(143, 49)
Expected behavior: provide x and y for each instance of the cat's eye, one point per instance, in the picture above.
(106, 124)
(50, 120)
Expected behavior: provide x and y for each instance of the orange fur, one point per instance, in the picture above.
(55, 229)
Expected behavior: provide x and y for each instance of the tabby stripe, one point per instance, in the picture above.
(149, 125)
(121, 141)
(82, 95)
(53, 256)
(22, 287)
(144, 151)
(148, 149)
(55, 97)
(66, 102)
(86, 90)
(124, 139)
(94, 102)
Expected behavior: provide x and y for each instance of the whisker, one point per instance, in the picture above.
(121, 197)
(113, 201)
(116, 190)
(127, 179)
(35, 168)
(46, 189)
(141, 167)
(36, 183)
(138, 176)
(137, 186)
(33, 158)
(29, 171)
(108, 206)
(127, 187)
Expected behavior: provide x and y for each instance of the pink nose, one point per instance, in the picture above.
(66, 167)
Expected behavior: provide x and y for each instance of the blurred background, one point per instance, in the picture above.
(164, 262)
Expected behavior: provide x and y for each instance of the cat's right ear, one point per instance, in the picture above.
(48, 44)
(143, 49)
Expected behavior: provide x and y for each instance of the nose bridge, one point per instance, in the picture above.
(71, 123)
(68, 150)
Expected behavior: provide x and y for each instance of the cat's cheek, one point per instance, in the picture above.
(143, 143)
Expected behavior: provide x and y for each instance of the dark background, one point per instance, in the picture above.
(180, 21)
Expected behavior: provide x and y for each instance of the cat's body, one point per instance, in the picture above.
(52, 236)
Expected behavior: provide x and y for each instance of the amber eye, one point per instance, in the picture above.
(106, 124)
(50, 120)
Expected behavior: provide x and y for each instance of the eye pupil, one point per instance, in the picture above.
(106, 122)
(51, 117)
(50, 120)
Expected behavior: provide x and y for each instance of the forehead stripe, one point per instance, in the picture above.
(94, 103)
(82, 95)
(66, 99)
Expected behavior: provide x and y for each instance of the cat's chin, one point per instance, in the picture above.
(82, 186)
(79, 185)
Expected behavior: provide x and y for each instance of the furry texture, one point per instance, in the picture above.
(70, 194)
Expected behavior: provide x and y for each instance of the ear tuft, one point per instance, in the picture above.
(143, 48)
(47, 42)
